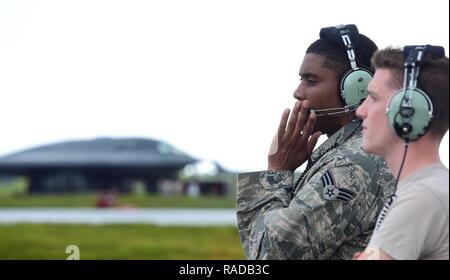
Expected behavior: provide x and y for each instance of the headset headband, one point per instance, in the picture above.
(413, 57)
(333, 34)
(347, 34)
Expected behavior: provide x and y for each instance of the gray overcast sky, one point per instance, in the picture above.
(210, 77)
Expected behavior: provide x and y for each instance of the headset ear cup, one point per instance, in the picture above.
(410, 123)
(354, 86)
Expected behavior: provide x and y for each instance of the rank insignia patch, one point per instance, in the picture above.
(332, 192)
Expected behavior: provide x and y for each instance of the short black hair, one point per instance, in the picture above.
(336, 58)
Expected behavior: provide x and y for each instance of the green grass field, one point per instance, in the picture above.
(121, 242)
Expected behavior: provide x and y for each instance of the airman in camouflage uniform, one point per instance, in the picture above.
(330, 212)
(329, 215)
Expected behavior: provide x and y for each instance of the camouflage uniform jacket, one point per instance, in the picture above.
(330, 214)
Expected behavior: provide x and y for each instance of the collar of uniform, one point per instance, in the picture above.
(336, 139)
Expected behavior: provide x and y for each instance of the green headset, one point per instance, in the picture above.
(354, 82)
(410, 110)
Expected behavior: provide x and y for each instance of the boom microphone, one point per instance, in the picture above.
(335, 112)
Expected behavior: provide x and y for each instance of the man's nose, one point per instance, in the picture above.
(299, 93)
(361, 111)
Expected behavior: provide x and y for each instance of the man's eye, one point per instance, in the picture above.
(309, 81)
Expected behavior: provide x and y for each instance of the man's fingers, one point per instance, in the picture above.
(274, 146)
(302, 116)
(293, 119)
(283, 121)
(310, 123)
